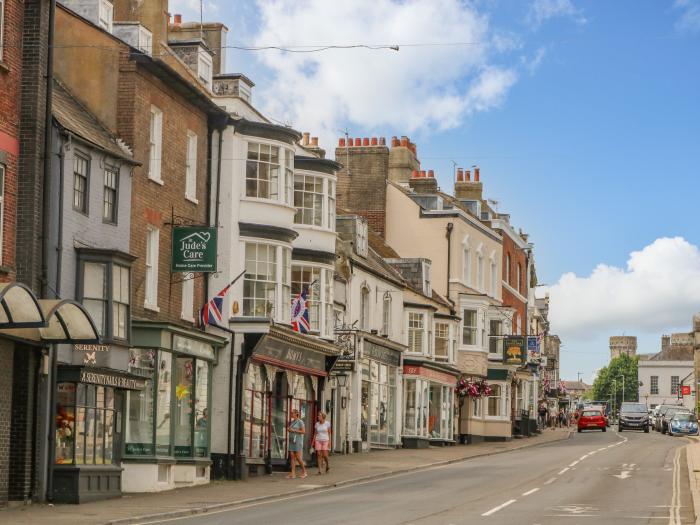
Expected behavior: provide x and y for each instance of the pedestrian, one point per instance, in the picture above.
(296, 444)
(553, 417)
(321, 442)
(542, 411)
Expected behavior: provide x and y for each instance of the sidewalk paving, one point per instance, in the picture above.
(134, 508)
(693, 458)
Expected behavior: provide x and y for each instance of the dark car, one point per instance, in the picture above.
(633, 416)
(668, 415)
(660, 415)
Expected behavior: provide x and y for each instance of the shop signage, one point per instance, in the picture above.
(533, 349)
(685, 390)
(412, 370)
(89, 354)
(514, 350)
(194, 249)
(381, 353)
(117, 381)
(184, 345)
(280, 352)
(343, 365)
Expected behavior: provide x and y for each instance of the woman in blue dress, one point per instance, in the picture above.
(296, 432)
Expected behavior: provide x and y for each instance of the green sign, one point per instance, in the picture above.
(514, 350)
(194, 249)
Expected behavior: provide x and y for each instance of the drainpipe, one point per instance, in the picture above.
(59, 241)
(449, 228)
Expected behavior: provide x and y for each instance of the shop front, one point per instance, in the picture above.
(166, 423)
(284, 372)
(429, 403)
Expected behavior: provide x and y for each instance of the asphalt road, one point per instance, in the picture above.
(593, 477)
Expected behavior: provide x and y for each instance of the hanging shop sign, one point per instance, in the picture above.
(514, 350)
(194, 249)
(533, 349)
(380, 353)
(295, 357)
(90, 355)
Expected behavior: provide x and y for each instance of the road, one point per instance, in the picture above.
(593, 477)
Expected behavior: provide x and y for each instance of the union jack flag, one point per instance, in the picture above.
(300, 313)
(212, 312)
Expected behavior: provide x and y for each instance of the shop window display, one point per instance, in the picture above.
(201, 414)
(184, 376)
(255, 412)
(140, 405)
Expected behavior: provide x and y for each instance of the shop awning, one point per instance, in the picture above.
(497, 374)
(66, 322)
(19, 307)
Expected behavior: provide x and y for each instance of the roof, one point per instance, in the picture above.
(73, 116)
(382, 248)
(675, 353)
(576, 385)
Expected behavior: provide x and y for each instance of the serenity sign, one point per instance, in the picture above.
(194, 249)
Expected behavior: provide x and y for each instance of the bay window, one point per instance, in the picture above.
(308, 199)
(331, 204)
(469, 327)
(416, 332)
(318, 298)
(104, 290)
(262, 171)
(267, 281)
(493, 407)
(442, 341)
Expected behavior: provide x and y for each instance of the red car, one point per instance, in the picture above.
(591, 419)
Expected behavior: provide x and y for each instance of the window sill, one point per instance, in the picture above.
(4, 67)
(6, 270)
(193, 200)
(151, 307)
(157, 181)
(187, 319)
(262, 200)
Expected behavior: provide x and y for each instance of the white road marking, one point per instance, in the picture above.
(573, 464)
(530, 492)
(562, 471)
(550, 481)
(585, 456)
(674, 517)
(632, 465)
(500, 507)
(623, 475)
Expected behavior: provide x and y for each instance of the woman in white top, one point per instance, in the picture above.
(321, 441)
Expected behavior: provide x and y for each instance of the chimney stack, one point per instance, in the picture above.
(423, 182)
(460, 175)
(468, 190)
(402, 159)
(314, 142)
(178, 19)
(305, 138)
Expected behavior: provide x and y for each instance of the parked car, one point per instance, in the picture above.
(683, 423)
(668, 415)
(660, 411)
(633, 416)
(592, 419)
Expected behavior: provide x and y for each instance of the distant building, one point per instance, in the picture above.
(661, 375)
(623, 344)
(576, 390)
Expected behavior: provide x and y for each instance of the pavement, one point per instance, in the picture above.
(346, 471)
(693, 462)
(594, 477)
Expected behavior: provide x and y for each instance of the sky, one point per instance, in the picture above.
(584, 117)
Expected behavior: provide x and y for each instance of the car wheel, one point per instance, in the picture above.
(620, 429)
(646, 430)
(579, 430)
(605, 429)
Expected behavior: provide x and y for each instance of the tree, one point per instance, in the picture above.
(608, 384)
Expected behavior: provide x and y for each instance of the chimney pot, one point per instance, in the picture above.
(178, 19)
(365, 141)
(394, 142)
(460, 175)
(412, 147)
(476, 175)
(374, 141)
(341, 143)
(414, 174)
(305, 139)
(467, 175)
(382, 141)
(422, 174)
(431, 174)
(358, 142)
(314, 141)
(404, 142)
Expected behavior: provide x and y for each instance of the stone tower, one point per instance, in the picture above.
(623, 344)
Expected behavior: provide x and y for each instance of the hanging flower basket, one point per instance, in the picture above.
(471, 388)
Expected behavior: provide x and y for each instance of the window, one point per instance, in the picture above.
(139, 404)
(427, 284)
(259, 289)
(386, 314)
(183, 416)
(2, 26)
(331, 204)
(518, 325)
(163, 397)
(308, 199)
(262, 171)
(469, 328)
(494, 401)
(106, 296)
(204, 68)
(109, 206)
(191, 167)
(303, 276)
(654, 385)
(361, 244)
(674, 385)
(106, 14)
(85, 424)
(255, 412)
(466, 265)
(416, 330)
(155, 139)
(152, 247)
(476, 407)
(187, 297)
(494, 339)
(508, 268)
(364, 308)
(81, 167)
(494, 278)
(442, 341)
(518, 278)
(2, 172)
(286, 284)
(480, 271)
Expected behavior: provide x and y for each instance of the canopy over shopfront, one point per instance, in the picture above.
(19, 308)
(65, 321)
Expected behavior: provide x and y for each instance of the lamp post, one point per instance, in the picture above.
(614, 395)
(623, 388)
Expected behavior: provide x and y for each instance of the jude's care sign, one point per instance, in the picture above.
(194, 249)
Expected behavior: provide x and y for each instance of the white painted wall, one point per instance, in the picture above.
(664, 370)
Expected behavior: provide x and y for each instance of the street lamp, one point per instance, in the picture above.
(623, 388)
(614, 395)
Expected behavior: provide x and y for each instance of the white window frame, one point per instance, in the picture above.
(2, 205)
(386, 314)
(191, 167)
(155, 140)
(106, 15)
(427, 282)
(654, 388)
(205, 68)
(473, 328)
(151, 280)
(187, 300)
(466, 262)
(501, 411)
(308, 186)
(319, 297)
(145, 38)
(279, 186)
(441, 331)
(416, 323)
(674, 388)
(273, 279)
(477, 407)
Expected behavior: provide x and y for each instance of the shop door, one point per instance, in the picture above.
(119, 404)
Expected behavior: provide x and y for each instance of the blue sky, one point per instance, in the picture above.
(584, 117)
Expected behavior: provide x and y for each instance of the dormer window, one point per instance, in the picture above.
(106, 15)
(204, 68)
(427, 281)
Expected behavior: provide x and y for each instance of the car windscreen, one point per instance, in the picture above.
(634, 409)
(591, 413)
(685, 416)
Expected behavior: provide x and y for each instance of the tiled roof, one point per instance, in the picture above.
(73, 116)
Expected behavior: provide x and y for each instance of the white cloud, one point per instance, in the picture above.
(190, 9)
(430, 87)
(689, 21)
(532, 64)
(543, 10)
(659, 289)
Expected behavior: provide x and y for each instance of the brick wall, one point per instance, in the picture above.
(6, 357)
(154, 204)
(517, 256)
(364, 191)
(33, 111)
(24, 438)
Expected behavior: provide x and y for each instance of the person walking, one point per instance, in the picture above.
(321, 442)
(296, 431)
(543, 415)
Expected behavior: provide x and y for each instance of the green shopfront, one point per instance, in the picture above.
(166, 424)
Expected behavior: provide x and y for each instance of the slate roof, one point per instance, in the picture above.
(76, 118)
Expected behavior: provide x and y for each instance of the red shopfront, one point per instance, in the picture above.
(283, 374)
(429, 407)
